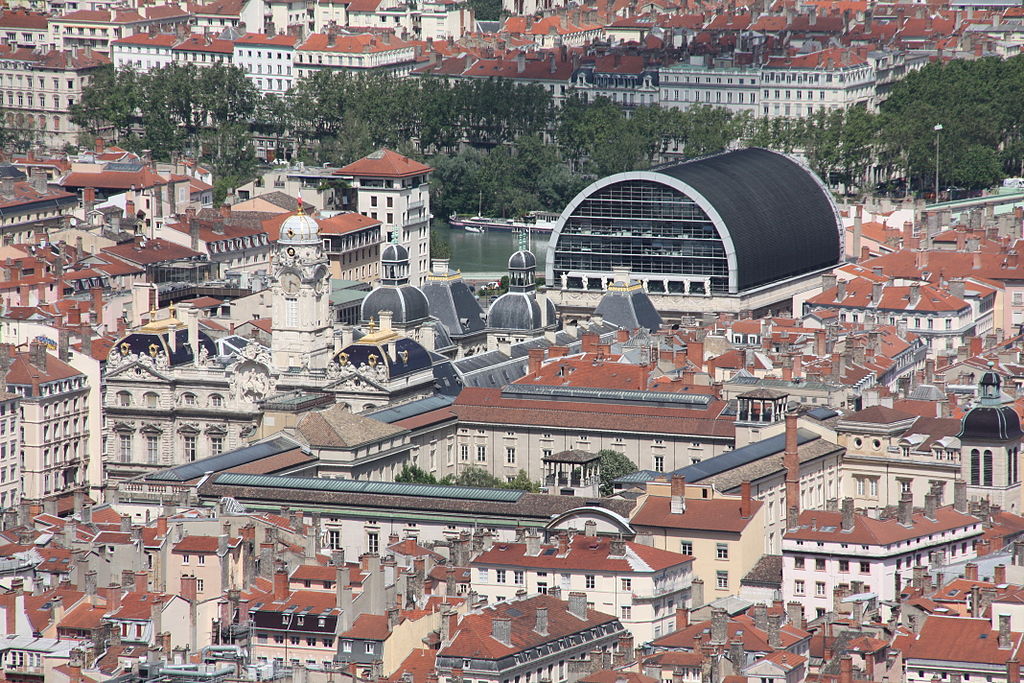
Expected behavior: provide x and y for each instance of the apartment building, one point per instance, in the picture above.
(534, 638)
(703, 81)
(352, 242)
(961, 648)
(393, 189)
(831, 555)
(29, 206)
(354, 53)
(724, 534)
(54, 423)
(832, 78)
(97, 29)
(10, 454)
(23, 28)
(41, 88)
(232, 247)
(267, 61)
(143, 51)
(641, 585)
(945, 315)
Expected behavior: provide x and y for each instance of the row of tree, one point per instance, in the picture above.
(613, 465)
(504, 148)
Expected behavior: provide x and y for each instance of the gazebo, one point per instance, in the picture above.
(572, 473)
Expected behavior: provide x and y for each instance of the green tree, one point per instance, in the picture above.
(411, 474)
(478, 477)
(522, 482)
(613, 465)
(111, 99)
(439, 246)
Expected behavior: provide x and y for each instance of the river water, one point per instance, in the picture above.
(484, 256)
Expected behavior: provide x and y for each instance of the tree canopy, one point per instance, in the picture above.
(506, 148)
(613, 465)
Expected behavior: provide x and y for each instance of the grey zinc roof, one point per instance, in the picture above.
(452, 303)
(515, 311)
(224, 461)
(629, 310)
(412, 409)
(742, 456)
(780, 217)
(406, 303)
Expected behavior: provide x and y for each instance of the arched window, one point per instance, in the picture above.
(216, 400)
(975, 467)
(188, 399)
(150, 399)
(986, 470)
(124, 398)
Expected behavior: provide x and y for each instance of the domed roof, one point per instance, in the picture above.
(989, 423)
(300, 228)
(407, 304)
(151, 344)
(628, 306)
(394, 252)
(522, 259)
(518, 311)
(372, 349)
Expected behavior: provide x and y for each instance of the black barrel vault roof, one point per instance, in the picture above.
(781, 220)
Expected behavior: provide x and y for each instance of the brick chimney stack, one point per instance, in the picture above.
(791, 461)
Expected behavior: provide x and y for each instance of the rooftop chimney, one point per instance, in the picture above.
(678, 501)
(791, 461)
(847, 523)
(578, 605)
(501, 630)
(542, 621)
(906, 510)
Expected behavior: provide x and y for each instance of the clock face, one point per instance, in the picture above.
(290, 283)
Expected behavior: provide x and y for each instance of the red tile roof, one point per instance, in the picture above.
(717, 514)
(584, 552)
(199, 545)
(369, 627)
(478, 404)
(384, 163)
(958, 639)
(473, 639)
(823, 525)
(155, 251)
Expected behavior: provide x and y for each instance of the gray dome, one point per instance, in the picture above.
(407, 304)
(986, 423)
(394, 252)
(521, 260)
(629, 307)
(517, 311)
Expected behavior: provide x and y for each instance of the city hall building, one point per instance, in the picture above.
(741, 230)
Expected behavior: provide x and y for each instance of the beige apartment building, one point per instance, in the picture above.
(10, 478)
(41, 88)
(53, 421)
(723, 533)
(641, 585)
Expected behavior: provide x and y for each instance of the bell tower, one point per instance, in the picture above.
(301, 290)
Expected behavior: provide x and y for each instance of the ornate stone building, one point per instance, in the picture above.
(173, 395)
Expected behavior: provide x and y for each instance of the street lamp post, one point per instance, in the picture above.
(937, 129)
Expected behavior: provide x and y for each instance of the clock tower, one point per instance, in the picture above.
(301, 296)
